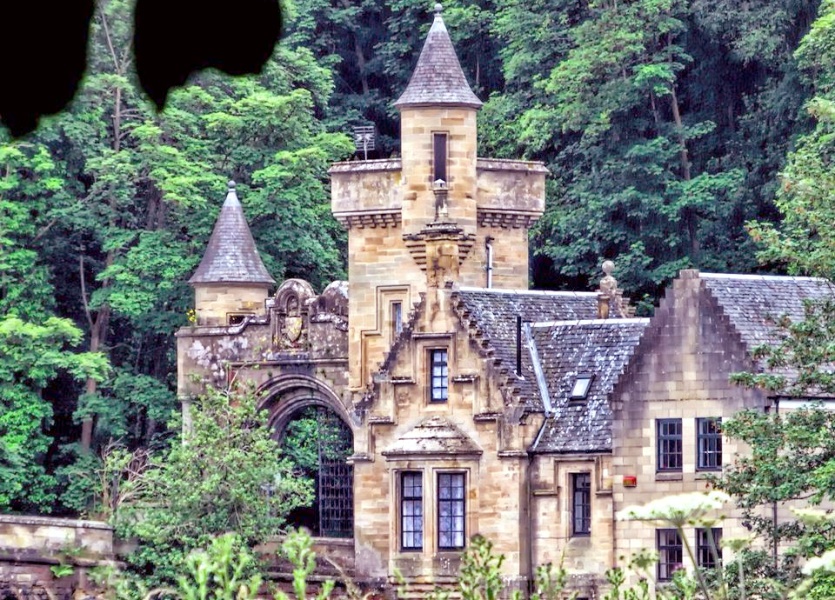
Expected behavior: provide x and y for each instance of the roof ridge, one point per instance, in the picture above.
(757, 277)
(625, 321)
(521, 292)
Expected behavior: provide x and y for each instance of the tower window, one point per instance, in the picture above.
(439, 150)
(396, 319)
(439, 376)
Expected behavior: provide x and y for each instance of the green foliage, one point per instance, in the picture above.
(480, 577)
(31, 356)
(210, 482)
(297, 548)
(108, 207)
(803, 243)
(792, 457)
(224, 571)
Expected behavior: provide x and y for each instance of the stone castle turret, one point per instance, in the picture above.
(231, 281)
(404, 216)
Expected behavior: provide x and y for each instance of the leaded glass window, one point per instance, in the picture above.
(451, 511)
(411, 510)
(439, 376)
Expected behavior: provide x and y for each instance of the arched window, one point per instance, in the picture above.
(319, 444)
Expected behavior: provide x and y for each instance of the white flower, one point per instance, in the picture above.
(812, 516)
(825, 561)
(677, 510)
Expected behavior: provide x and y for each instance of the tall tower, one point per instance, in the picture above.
(408, 217)
(231, 281)
(438, 136)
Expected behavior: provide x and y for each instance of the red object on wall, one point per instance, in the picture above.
(630, 481)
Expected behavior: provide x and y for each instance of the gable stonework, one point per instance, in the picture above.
(680, 370)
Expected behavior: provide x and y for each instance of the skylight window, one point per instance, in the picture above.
(582, 384)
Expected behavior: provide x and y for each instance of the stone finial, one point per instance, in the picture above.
(610, 299)
(607, 295)
(230, 185)
(438, 8)
(608, 284)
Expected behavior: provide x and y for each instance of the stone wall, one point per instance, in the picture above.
(48, 558)
(215, 304)
(585, 557)
(681, 371)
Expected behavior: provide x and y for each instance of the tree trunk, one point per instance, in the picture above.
(98, 338)
(361, 66)
(690, 217)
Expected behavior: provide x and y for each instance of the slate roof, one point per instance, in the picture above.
(491, 316)
(433, 435)
(564, 350)
(231, 255)
(753, 302)
(438, 77)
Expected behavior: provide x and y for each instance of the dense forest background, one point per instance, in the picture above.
(666, 125)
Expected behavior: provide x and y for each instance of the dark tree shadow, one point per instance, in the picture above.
(43, 48)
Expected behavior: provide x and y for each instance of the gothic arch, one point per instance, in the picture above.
(286, 395)
(291, 397)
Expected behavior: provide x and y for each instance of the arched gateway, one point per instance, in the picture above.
(313, 429)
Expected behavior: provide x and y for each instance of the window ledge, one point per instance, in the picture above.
(669, 476)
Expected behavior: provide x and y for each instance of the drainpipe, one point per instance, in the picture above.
(488, 244)
(774, 503)
(530, 539)
(518, 345)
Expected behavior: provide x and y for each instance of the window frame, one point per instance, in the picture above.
(662, 441)
(440, 161)
(665, 545)
(589, 379)
(704, 553)
(462, 502)
(396, 315)
(415, 519)
(443, 377)
(583, 494)
(708, 437)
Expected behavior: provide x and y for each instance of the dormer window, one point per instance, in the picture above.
(439, 153)
(582, 384)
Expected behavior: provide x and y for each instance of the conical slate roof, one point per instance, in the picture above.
(438, 78)
(231, 255)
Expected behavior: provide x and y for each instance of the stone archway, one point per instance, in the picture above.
(308, 420)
